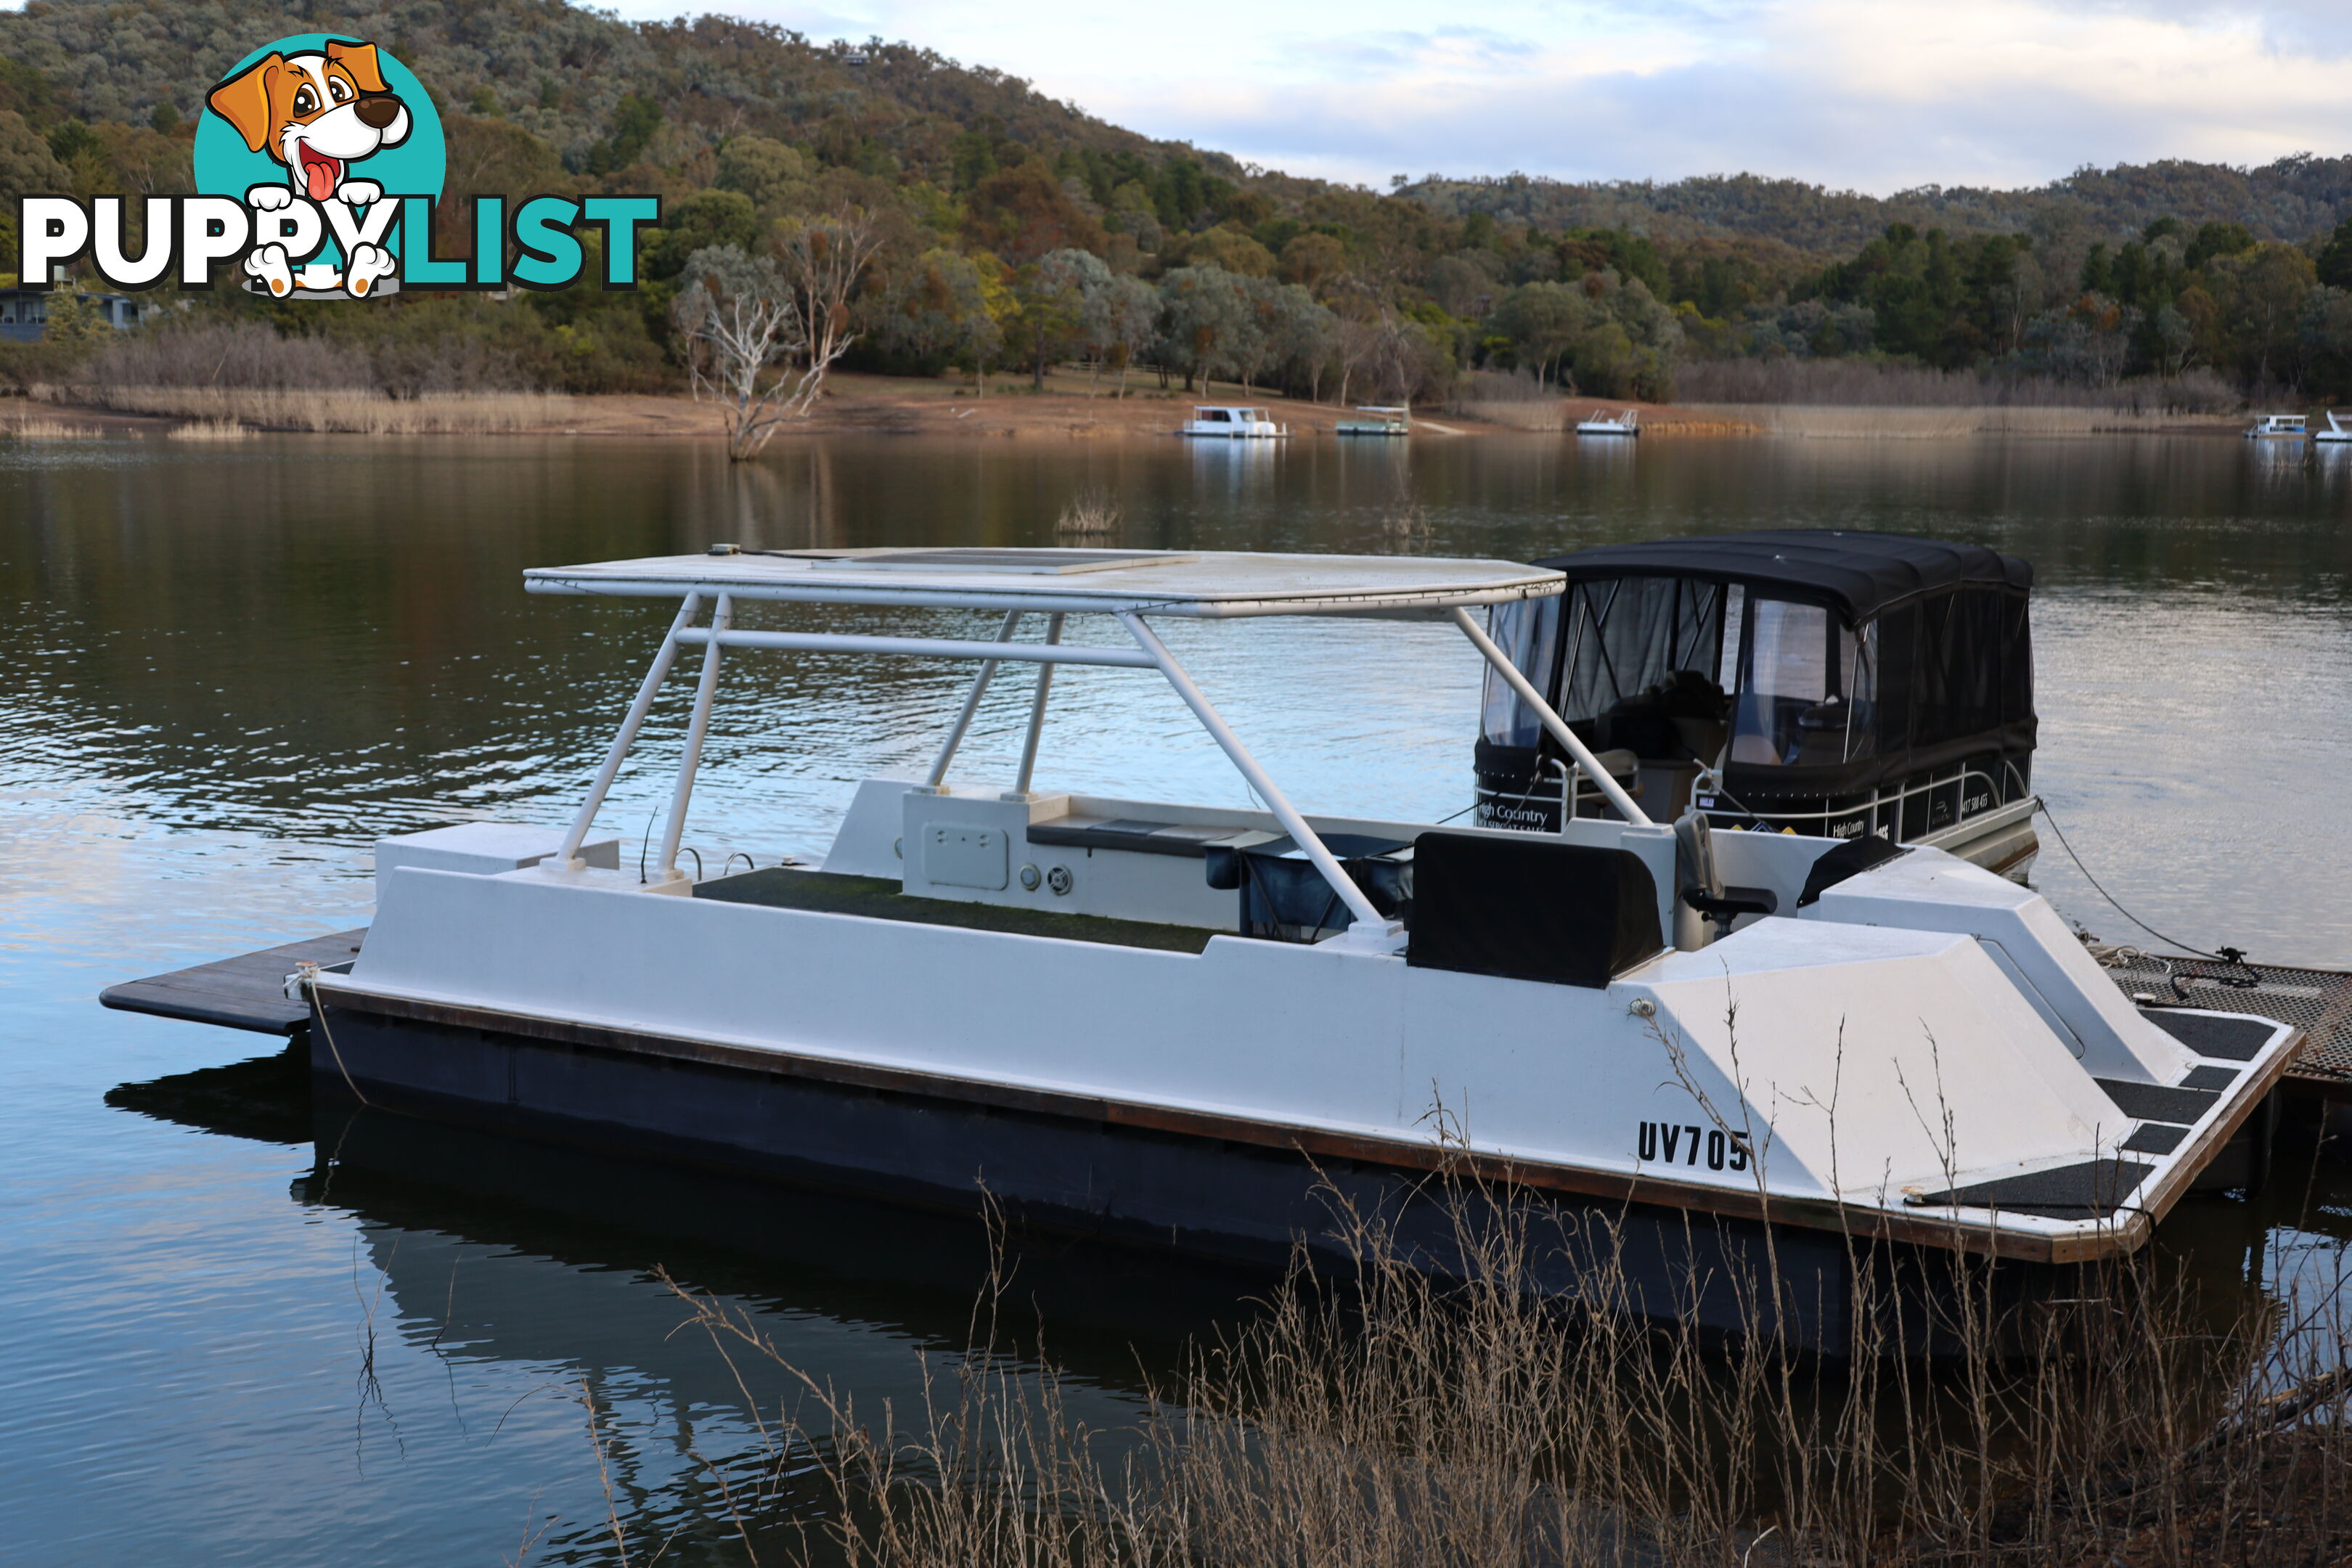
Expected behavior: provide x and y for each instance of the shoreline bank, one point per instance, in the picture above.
(863, 405)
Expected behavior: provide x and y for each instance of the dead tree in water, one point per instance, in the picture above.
(742, 314)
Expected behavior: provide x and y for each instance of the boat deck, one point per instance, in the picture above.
(2318, 1000)
(878, 897)
(246, 992)
(243, 992)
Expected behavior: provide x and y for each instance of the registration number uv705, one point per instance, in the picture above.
(1687, 1144)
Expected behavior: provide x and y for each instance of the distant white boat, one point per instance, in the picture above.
(1233, 424)
(1627, 422)
(2335, 431)
(2284, 428)
(1385, 421)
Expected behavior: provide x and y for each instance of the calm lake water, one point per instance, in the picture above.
(225, 671)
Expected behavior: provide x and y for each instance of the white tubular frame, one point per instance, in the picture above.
(696, 729)
(924, 647)
(1549, 720)
(1368, 919)
(570, 857)
(1149, 653)
(938, 775)
(1037, 709)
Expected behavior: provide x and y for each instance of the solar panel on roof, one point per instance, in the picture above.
(1045, 562)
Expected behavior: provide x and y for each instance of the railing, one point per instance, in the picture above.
(1882, 800)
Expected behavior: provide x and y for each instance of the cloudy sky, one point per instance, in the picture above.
(1874, 95)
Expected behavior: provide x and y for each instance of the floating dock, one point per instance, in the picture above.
(244, 992)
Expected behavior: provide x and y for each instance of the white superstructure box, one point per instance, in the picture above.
(485, 849)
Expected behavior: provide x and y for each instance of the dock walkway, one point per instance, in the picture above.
(243, 992)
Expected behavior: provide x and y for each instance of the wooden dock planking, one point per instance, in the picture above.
(242, 992)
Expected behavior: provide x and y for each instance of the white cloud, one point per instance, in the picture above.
(1874, 96)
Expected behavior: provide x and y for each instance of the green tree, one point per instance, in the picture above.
(1212, 327)
(704, 220)
(1022, 214)
(774, 176)
(2335, 259)
(1541, 322)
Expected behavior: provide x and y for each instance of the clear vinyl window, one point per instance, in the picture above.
(1796, 670)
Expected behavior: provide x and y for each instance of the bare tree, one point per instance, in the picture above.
(742, 314)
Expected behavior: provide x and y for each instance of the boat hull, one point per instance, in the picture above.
(1120, 1183)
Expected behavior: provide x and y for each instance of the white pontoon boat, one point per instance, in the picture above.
(2277, 428)
(1162, 1020)
(1385, 420)
(1628, 421)
(1233, 424)
(1838, 683)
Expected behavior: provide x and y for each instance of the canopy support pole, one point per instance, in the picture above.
(971, 705)
(569, 857)
(1551, 721)
(1368, 919)
(1038, 711)
(721, 616)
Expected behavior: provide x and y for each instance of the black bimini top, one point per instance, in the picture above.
(1857, 574)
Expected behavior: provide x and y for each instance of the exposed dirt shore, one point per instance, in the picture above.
(1070, 408)
(1067, 409)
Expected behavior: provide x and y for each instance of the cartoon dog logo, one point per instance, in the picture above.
(317, 113)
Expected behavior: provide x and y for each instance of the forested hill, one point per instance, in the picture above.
(603, 94)
(582, 82)
(2290, 200)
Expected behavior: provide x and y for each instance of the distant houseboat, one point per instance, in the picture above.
(1628, 421)
(1383, 422)
(2279, 427)
(1233, 424)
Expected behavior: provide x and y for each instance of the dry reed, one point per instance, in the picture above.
(1550, 416)
(1404, 1418)
(210, 430)
(358, 411)
(1089, 514)
(49, 430)
(1866, 384)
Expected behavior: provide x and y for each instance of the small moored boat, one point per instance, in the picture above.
(2278, 427)
(2335, 434)
(1384, 421)
(1627, 422)
(1232, 424)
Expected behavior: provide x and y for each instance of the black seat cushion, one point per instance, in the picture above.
(1528, 909)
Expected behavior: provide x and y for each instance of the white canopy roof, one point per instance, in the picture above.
(1202, 584)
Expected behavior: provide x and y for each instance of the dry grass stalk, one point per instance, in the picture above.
(210, 430)
(1852, 383)
(356, 411)
(1548, 415)
(1089, 514)
(1404, 1418)
(50, 430)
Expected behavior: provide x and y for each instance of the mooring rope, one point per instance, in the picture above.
(2228, 956)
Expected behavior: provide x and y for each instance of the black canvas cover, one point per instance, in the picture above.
(1926, 663)
(1528, 909)
(1851, 858)
(1855, 573)
(1285, 898)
